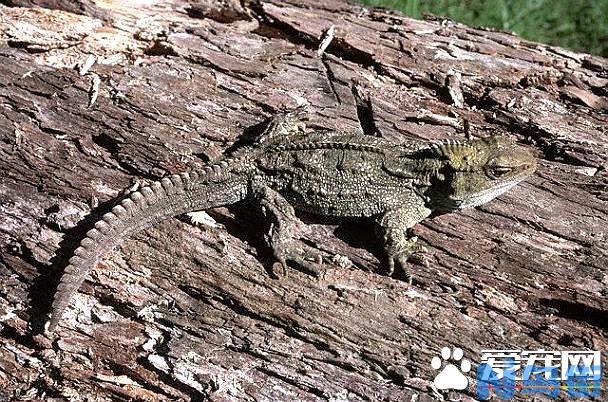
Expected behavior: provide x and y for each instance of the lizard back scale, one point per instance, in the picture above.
(325, 173)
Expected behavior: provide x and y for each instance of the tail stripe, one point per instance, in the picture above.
(102, 226)
(137, 199)
(89, 241)
(128, 205)
(177, 183)
(82, 252)
(110, 218)
(193, 175)
(158, 188)
(168, 186)
(185, 179)
(91, 234)
(148, 195)
(120, 211)
(76, 260)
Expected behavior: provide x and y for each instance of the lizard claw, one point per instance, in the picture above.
(280, 263)
(399, 261)
(310, 268)
(309, 262)
(411, 251)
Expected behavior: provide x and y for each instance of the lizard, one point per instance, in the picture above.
(329, 173)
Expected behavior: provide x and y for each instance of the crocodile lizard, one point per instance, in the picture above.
(321, 172)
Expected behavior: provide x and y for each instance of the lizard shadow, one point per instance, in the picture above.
(240, 225)
(45, 285)
(355, 232)
(43, 288)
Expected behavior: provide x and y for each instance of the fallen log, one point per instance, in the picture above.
(98, 96)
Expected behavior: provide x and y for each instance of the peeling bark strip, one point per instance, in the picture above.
(188, 313)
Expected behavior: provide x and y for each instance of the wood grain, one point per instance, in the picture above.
(184, 312)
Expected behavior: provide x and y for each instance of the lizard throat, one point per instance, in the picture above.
(477, 199)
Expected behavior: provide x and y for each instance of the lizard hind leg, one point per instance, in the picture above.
(279, 237)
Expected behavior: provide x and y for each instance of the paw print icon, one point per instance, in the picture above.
(451, 376)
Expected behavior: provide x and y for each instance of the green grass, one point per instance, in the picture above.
(581, 25)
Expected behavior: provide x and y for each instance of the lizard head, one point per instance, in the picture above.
(474, 172)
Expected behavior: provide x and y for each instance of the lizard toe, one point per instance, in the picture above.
(400, 265)
(287, 253)
(312, 268)
(420, 258)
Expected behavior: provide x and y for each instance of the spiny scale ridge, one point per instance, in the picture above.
(130, 212)
(328, 145)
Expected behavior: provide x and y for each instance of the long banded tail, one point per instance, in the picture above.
(171, 196)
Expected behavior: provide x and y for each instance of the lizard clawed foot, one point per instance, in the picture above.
(280, 234)
(286, 252)
(412, 251)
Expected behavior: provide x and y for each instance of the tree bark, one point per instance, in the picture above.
(96, 95)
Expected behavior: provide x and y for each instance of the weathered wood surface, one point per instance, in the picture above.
(188, 313)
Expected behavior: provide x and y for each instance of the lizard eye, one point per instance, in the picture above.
(497, 172)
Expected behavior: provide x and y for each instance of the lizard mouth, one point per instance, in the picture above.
(485, 196)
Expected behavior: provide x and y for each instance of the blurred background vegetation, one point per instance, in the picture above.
(581, 25)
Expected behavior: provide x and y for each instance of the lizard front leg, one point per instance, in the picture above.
(393, 226)
(279, 237)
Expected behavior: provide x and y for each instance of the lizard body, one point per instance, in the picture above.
(325, 173)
